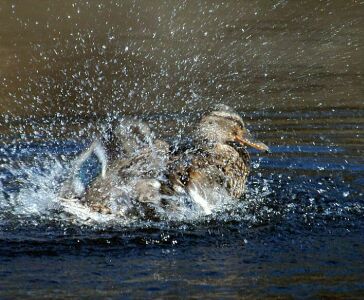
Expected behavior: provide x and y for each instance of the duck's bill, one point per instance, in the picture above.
(250, 141)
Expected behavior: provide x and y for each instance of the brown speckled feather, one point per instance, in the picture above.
(221, 166)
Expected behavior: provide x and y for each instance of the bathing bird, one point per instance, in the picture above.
(143, 178)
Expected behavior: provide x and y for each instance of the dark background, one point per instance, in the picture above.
(84, 58)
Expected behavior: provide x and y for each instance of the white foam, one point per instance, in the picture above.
(199, 199)
(82, 213)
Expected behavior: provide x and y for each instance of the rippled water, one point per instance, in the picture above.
(293, 70)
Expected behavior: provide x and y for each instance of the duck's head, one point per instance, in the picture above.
(224, 125)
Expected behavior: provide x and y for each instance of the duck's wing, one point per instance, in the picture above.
(234, 160)
(112, 186)
(130, 180)
(73, 187)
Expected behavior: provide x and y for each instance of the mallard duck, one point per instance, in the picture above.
(218, 164)
(142, 175)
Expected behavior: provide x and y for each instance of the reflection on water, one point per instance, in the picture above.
(293, 69)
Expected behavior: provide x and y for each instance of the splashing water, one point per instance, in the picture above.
(30, 185)
(37, 179)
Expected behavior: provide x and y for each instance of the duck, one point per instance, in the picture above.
(144, 178)
(217, 166)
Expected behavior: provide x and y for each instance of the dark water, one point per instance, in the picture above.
(292, 69)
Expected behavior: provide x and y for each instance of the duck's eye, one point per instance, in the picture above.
(236, 130)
